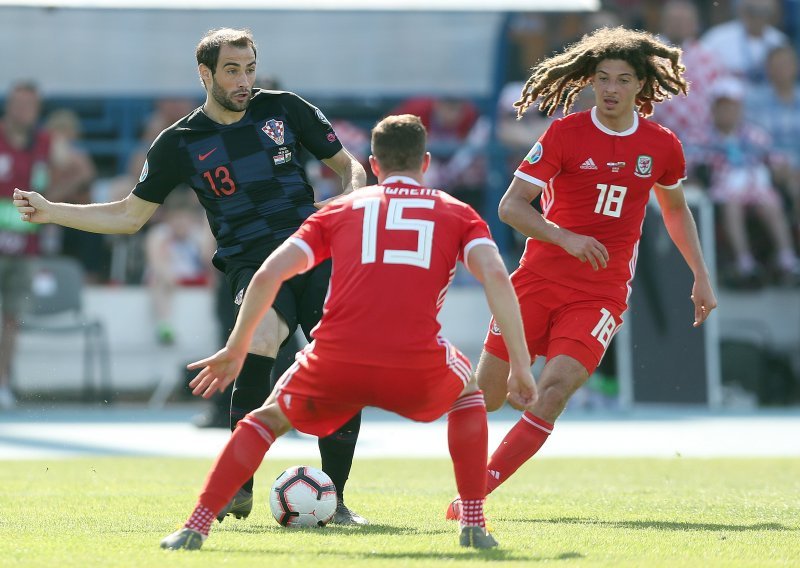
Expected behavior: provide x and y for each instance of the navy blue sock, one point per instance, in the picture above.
(337, 452)
(250, 389)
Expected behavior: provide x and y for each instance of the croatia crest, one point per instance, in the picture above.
(274, 129)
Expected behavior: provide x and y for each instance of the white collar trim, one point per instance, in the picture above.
(610, 132)
(402, 179)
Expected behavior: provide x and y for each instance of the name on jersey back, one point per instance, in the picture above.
(410, 191)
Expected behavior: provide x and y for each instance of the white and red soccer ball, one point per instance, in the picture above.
(303, 496)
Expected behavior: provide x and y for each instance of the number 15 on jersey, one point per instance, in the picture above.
(396, 221)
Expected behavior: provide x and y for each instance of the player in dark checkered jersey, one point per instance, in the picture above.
(239, 152)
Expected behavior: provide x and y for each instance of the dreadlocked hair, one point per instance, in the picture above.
(560, 78)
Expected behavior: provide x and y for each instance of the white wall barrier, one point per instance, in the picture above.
(139, 364)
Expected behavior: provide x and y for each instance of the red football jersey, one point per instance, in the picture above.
(395, 248)
(597, 183)
(26, 168)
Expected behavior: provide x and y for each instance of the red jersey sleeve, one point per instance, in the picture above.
(544, 159)
(313, 237)
(476, 232)
(676, 168)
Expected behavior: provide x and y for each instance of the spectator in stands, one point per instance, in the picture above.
(743, 43)
(781, 96)
(457, 136)
(738, 154)
(514, 134)
(689, 117)
(177, 253)
(25, 156)
(72, 174)
(268, 82)
(599, 19)
(517, 135)
(166, 112)
(72, 171)
(128, 257)
(528, 36)
(325, 182)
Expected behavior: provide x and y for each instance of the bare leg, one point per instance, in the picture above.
(735, 228)
(8, 345)
(492, 376)
(559, 380)
(778, 226)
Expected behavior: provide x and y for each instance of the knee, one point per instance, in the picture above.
(265, 344)
(494, 392)
(554, 397)
(271, 416)
(493, 401)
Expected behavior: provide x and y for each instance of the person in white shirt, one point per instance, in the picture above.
(742, 44)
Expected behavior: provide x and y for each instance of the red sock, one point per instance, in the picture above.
(237, 463)
(472, 513)
(467, 437)
(519, 445)
(200, 519)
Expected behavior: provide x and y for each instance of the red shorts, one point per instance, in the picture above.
(560, 321)
(318, 395)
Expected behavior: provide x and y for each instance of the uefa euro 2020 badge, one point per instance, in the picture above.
(535, 154)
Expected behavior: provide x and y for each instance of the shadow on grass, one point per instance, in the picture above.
(270, 531)
(661, 525)
(493, 555)
(273, 529)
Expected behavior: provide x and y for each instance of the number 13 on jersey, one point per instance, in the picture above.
(396, 221)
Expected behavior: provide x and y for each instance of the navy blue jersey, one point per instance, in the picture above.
(247, 175)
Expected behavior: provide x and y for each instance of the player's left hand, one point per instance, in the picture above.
(704, 300)
(522, 391)
(217, 372)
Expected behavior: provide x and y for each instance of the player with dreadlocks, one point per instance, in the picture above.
(595, 170)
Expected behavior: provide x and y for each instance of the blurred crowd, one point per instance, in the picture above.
(740, 126)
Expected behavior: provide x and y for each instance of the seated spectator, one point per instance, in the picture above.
(167, 112)
(737, 155)
(776, 108)
(517, 136)
(178, 250)
(457, 136)
(689, 117)
(324, 180)
(72, 170)
(127, 256)
(742, 44)
(72, 173)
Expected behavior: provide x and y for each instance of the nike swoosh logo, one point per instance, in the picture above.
(202, 157)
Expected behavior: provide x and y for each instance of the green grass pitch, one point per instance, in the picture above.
(560, 512)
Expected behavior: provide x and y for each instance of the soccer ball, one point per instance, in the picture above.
(303, 496)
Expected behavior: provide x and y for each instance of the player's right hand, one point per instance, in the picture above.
(586, 249)
(31, 206)
(216, 372)
(522, 392)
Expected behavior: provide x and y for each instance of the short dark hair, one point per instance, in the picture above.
(398, 143)
(207, 51)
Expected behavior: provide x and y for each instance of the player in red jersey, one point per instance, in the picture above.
(395, 248)
(595, 170)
